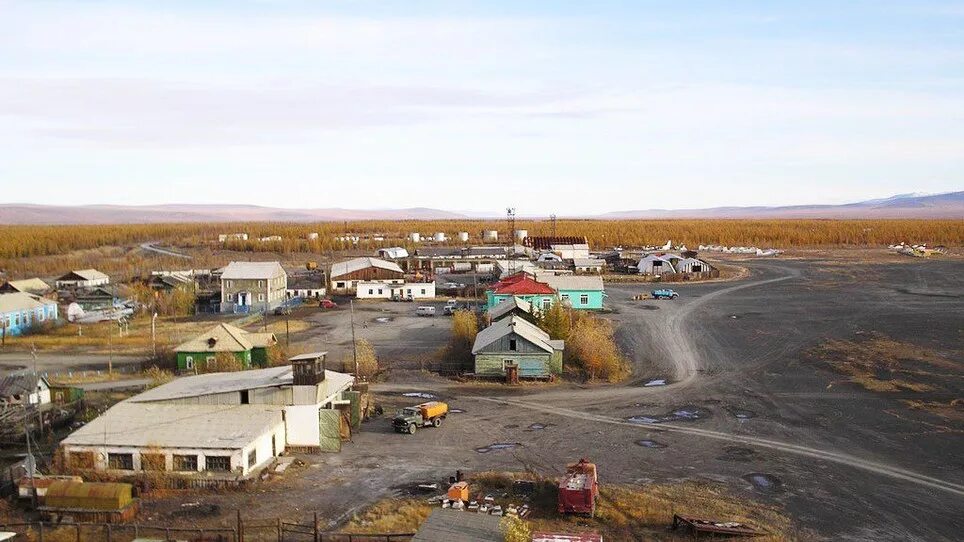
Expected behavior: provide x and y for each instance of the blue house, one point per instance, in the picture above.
(19, 312)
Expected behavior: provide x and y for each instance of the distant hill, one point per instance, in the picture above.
(152, 214)
(949, 205)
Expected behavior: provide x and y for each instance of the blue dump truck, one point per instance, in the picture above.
(664, 293)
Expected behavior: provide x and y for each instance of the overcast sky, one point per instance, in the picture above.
(564, 107)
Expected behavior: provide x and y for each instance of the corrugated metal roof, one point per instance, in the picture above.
(88, 495)
(86, 274)
(508, 305)
(178, 426)
(573, 282)
(519, 326)
(32, 286)
(207, 384)
(588, 262)
(21, 383)
(456, 526)
(220, 338)
(19, 301)
(356, 264)
(252, 270)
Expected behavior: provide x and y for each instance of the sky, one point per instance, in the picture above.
(571, 108)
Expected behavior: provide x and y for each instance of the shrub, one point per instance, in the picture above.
(458, 353)
(592, 350)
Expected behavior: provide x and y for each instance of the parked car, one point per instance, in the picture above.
(327, 304)
(425, 311)
(664, 293)
(449, 310)
(282, 310)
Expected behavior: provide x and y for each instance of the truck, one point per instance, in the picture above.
(578, 489)
(664, 293)
(409, 419)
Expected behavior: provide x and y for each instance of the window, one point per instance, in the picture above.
(584, 299)
(371, 291)
(339, 285)
(252, 458)
(546, 303)
(120, 461)
(697, 268)
(188, 362)
(230, 297)
(153, 462)
(565, 297)
(185, 463)
(218, 463)
(260, 284)
(380, 291)
(260, 297)
(229, 283)
(210, 360)
(245, 399)
(512, 344)
(423, 291)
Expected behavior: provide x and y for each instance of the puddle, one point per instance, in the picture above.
(648, 443)
(456, 411)
(649, 307)
(683, 414)
(538, 426)
(498, 446)
(419, 488)
(383, 319)
(510, 426)
(655, 382)
(420, 395)
(742, 413)
(763, 482)
(737, 454)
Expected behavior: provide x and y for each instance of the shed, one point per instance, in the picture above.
(515, 342)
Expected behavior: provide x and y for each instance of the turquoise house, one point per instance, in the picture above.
(580, 292)
(19, 312)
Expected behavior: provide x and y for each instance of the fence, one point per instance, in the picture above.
(246, 530)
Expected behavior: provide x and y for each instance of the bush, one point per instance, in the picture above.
(556, 321)
(224, 362)
(367, 359)
(458, 353)
(592, 350)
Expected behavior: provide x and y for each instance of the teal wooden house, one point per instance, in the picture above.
(515, 342)
(578, 292)
(251, 349)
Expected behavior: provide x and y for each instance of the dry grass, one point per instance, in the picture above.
(623, 512)
(293, 326)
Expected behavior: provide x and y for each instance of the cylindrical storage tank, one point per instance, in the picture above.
(484, 267)
(415, 237)
(440, 237)
(312, 236)
(520, 235)
(88, 495)
(462, 266)
(463, 236)
(491, 235)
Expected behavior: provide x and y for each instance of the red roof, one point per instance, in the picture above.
(524, 285)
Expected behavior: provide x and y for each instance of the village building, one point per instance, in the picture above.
(20, 312)
(24, 388)
(225, 237)
(539, 295)
(247, 286)
(588, 265)
(513, 306)
(221, 427)
(250, 349)
(346, 275)
(82, 278)
(405, 290)
(306, 286)
(393, 253)
(655, 264)
(571, 251)
(516, 343)
(91, 299)
(579, 292)
(34, 286)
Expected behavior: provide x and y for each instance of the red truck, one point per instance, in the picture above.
(579, 489)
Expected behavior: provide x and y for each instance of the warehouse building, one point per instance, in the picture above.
(220, 426)
(405, 290)
(346, 275)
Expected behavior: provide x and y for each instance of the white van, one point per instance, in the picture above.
(425, 311)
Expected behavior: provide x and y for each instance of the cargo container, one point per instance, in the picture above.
(89, 502)
(578, 489)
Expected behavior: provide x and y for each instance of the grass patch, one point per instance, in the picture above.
(880, 364)
(624, 512)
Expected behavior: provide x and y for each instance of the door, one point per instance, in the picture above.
(329, 430)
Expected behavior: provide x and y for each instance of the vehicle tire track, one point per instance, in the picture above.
(890, 471)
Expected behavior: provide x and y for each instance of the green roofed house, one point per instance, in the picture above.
(514, 341)
(251, 349)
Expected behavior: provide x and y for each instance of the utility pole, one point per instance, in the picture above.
(287, 329)
(354, 345)
(154, 336)
(510, 223)
(110, 347)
